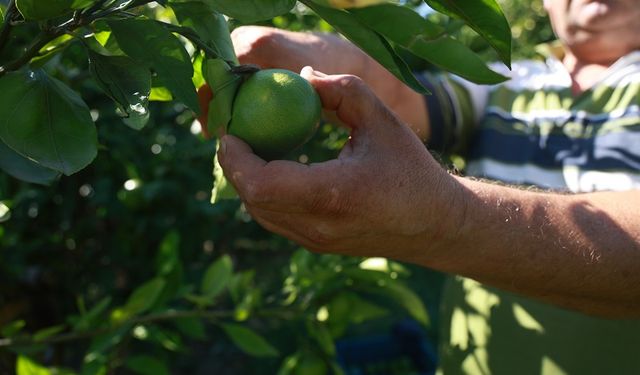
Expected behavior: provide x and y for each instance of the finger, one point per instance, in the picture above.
(238, 160)
(254, 44)
(279, 185)
(352, 100)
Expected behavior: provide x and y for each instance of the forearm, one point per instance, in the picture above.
(578, 251)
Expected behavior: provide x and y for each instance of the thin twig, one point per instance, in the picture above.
(147, 319)
(76, 22)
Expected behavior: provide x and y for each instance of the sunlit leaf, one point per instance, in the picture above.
(209, 25)
(371, 42)
(422, 39)
(26, 366)
(222, 189)
(483, 16)
(224, 85)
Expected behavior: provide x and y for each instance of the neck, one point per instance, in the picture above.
(584, 74)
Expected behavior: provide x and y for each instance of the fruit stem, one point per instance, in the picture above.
(245, 69)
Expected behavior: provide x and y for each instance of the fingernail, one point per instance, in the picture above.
(306, 70)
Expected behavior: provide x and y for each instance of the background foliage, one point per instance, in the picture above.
(125, 267)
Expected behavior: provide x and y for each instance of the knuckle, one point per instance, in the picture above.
(251, 38)
(351, 82)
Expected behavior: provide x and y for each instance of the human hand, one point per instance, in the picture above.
(384, 195)
(275, 48)
(331, 54)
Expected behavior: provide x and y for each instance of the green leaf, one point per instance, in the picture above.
(150, 44)
(79, 4)
(418, 36)
(24, 169)
(160, 94)
(371, 42)
(224, 85)
(216, 277)
(42, 10)
(405, 297)
(169, 340)
(359, 309)
(252, 10)
(193, 328)
(87, 320)
(13, 328)
(483, 16)
(168, 257)
(48, 332)
(127, 83)
(210, 26)
(322, 335)
(146, 365)
(45, 121)
(94, 368)
(26, 366)
(101, 344)
(222, 189)
(249, 341)
(143, 297)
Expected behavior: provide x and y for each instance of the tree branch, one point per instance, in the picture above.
(147, 319)
(7, 24)
(78, 20)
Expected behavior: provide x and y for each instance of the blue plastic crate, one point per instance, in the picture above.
(405, 350)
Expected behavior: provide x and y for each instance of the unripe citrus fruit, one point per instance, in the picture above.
(275, 111)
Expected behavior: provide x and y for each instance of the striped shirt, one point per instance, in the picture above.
(531, 130)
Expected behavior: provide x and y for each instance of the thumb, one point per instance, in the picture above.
(238, 160)
(349, 96)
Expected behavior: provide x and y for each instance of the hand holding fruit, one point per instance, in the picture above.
(331, 54)
(383, 193)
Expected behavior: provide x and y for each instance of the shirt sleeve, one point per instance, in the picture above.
(455, 107)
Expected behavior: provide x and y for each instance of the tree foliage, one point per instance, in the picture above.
(112, 258)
